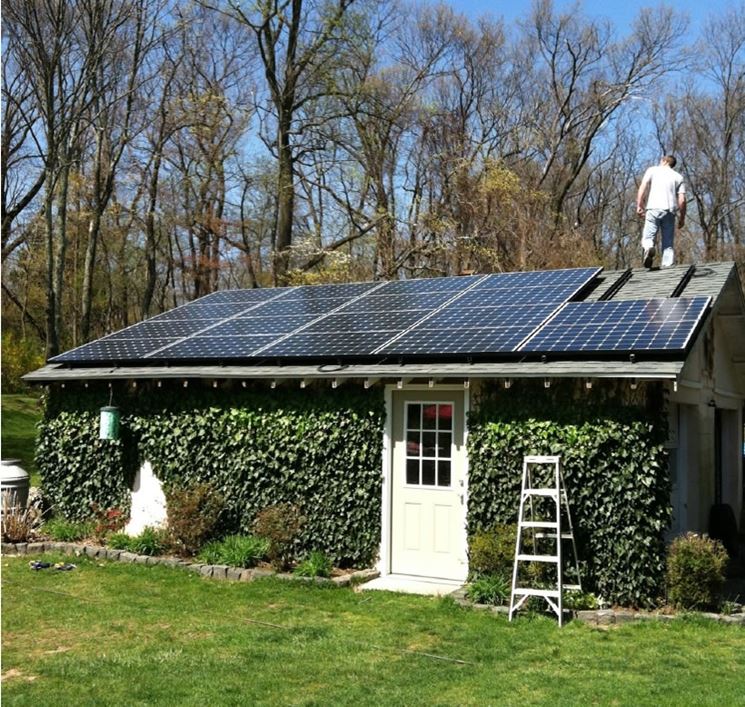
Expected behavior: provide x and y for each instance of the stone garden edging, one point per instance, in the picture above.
(609, 617)
(238, 574)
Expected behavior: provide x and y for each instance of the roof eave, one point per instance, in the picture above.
(640, 370)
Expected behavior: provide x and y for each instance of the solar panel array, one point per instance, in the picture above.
(624, 325)
(477, 315)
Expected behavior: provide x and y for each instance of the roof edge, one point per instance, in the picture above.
(641, 370)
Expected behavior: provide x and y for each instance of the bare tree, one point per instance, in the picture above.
(705, 125)
(22, 172)
(59, 48)
(297, 41)
(115, 86)
(582, 80)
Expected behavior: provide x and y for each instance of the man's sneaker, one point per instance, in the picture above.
(648, 257)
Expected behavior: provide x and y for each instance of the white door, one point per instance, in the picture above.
(428, 512)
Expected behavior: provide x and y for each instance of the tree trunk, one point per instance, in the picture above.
(285, 204)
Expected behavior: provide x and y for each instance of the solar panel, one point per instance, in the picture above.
(206, 347)
(493, 316)
(109, 349)
(338, 344)
(471, 315)
(664, 325)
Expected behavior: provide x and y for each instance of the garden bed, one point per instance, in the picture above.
(610, 617)
(340, 578)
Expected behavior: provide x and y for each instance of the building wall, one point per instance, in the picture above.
(710, 381)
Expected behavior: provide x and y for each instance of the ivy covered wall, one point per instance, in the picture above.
(322, 450)
(319, 449)
(615, 470)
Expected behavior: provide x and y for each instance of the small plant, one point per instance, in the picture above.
(730, 606)
(67, 531)
(193, 514)
(491, 552)
(695, 571)
(119, 541)
(489, 589)
(580, 601)
(315, 565)
(151, 541)
(19, 525)
(106, 520)
(235, 551)
(280, 525)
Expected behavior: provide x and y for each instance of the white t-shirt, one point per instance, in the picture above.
(664, 186)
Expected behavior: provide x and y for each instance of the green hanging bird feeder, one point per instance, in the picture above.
(109, 423)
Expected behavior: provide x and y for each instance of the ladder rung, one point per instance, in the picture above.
(537, 592)
(539, 492)
(539, 524)
(572, 586)
(564, 536)
(538, 558)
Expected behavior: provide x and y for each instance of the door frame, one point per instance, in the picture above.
(386, 520)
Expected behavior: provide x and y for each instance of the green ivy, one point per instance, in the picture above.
(615, 470)
(318, 449)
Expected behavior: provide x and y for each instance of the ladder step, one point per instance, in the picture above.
(537, 592)
(539, 524)
(564, 536)
(538, 558)
(539, 492)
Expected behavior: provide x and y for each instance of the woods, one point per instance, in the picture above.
(154, 152)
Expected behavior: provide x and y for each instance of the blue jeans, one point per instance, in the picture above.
(664, 221)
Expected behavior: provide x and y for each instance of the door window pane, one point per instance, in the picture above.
(413, 416)
(413, 447)
(444, 444)
(428, 472)
(412, 471)
(429, 440)
(443, 473)
(445, 417)
(429, 421)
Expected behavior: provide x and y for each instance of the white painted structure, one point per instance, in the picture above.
(148, 502)
(706, 419)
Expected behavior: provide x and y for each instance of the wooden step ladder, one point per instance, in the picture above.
(552, 527)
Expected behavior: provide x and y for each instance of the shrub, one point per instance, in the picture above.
(235, 551)
(19, 356)
(492, 551)
(280, 525)
(19, 525)
(193, 514)
(317, 564)
(489, 589)
(106, 520)
(119, 541)
(580, 601)
(151, 541)
(695, 571)
(67, 531)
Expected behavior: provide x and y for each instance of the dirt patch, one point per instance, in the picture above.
(15, 674)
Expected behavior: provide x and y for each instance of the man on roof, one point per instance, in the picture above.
(660, 197)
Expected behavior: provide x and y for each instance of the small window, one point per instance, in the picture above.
(429, 444)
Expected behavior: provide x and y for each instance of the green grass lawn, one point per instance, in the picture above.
(116, 634)
(20, 413)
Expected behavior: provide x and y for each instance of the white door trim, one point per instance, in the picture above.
(384, 563)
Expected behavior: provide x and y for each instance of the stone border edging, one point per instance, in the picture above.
(237, 574)
(608, 617)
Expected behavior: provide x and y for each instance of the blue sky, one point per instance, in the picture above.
(620, 12)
